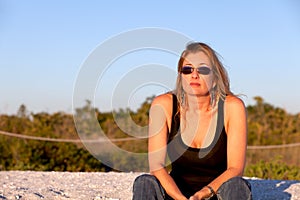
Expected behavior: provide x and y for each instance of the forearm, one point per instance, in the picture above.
(226, 175)
(212, 187)
(168, 184)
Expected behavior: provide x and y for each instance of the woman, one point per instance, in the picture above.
(201, 128)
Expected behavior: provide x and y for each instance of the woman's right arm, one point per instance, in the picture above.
(159, 122)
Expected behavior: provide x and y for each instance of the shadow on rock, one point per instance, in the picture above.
(271, 189)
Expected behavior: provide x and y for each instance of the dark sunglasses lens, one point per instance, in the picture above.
(187, 70)
(203, 70)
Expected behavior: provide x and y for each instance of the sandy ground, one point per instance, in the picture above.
(30, 185)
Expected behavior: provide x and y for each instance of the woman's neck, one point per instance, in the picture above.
(199, 103)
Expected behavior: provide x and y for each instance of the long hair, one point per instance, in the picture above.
(220, 76)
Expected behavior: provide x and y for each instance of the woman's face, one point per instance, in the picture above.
(196, 83)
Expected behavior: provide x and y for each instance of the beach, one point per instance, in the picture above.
(32, 185)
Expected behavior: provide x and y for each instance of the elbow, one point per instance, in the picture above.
(155, 168)
(240, 173)
(236, 171)
(158, 171)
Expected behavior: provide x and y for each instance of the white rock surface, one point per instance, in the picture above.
(31, 185)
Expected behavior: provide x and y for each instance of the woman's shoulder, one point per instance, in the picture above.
(234, 109)
(234, 102)
(163, 103)
(163, 99)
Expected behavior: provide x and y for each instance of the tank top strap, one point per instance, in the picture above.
(220, 132)
(220, 122)
(175, 123)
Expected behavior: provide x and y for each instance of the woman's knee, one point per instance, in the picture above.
(235, 187)
(239, 181)
(147, 186)
(144, 179)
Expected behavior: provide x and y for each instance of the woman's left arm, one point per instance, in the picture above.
(235, 121)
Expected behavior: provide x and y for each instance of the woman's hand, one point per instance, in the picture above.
(203, 193)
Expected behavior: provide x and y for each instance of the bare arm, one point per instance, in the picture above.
(160, 119)
(236, 128)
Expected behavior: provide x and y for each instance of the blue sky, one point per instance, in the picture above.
(43, 45)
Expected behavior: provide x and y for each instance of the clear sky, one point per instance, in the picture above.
(43, 45)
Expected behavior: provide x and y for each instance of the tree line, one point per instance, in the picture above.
(267, 125)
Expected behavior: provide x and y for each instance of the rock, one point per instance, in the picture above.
(32, 185)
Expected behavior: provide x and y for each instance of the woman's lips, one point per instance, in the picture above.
(195, 84)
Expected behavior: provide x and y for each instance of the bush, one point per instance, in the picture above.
(275, 169)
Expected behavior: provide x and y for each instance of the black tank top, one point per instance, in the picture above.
(193, 168)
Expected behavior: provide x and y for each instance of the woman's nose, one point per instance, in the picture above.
(195, 74)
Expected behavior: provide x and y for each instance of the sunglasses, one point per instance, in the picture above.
(200, 70)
